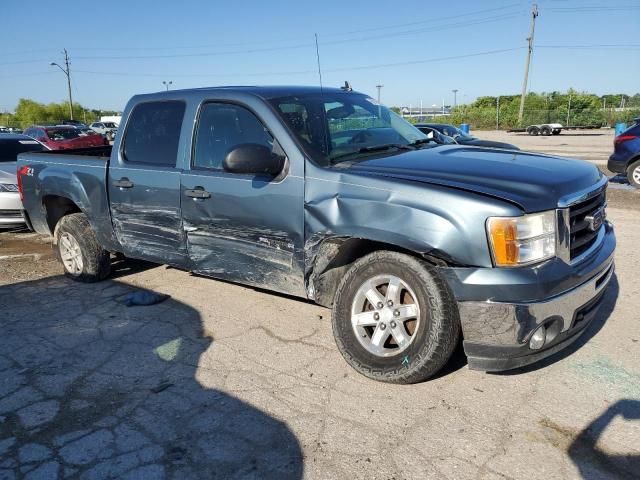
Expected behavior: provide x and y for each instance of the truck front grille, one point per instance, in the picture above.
(583, 235)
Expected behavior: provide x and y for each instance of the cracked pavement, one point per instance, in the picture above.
(225, 381)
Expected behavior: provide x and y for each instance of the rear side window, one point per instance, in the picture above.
(153, 133)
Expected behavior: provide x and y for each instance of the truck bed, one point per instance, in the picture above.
(85, 152)
(59, 180)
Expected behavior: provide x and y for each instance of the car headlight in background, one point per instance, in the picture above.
(522, 240)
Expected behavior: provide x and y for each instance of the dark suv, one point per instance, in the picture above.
(626, 154)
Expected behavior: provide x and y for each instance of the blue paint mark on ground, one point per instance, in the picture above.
(624, 382)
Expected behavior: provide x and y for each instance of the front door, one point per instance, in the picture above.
(243, 228)
(144, 185)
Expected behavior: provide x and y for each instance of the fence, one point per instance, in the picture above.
(505, 118)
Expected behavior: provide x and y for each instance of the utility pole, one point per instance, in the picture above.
(498, 112)
(67, 72)
(534, 15)
(568, 111)
(455, 97)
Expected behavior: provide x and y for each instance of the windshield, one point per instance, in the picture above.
(59, 134)
(337, 126)
(9, 149)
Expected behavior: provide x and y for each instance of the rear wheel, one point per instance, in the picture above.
(394, 318)
(77, 248)
(633, 174)
(546, 131)
(534, 131)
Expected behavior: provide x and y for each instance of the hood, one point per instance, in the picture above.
(533, 181)
(8, 172)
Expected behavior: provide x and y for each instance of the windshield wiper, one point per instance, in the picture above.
(375, 148)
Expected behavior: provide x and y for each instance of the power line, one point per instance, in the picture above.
(289, 47)
(262, 43)
(305, 72)
(590, 46)
(301, 45)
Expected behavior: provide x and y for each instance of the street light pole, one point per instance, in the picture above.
(379, 87)
(455, 97)
(166, 84)
(67, 72)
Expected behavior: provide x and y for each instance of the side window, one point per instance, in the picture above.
(153, 133)
(221, 128)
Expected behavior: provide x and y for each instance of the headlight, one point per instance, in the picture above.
(522, 240)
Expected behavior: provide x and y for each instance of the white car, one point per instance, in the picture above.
(10, 205)
(108, 129)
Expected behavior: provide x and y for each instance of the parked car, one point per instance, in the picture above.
(10, 205)
(324, 194)
(63, 137)
(462, 138)
(626, 154)
(75, 123)
(107, 129)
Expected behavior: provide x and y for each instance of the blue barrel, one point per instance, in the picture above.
(620, 127)
(464, 127)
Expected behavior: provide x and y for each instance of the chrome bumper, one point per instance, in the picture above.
(496, 334)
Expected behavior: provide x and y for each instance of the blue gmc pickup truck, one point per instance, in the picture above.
(327, 195)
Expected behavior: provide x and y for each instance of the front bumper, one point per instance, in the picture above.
(500, 309)
(617, 163)
(10, 210)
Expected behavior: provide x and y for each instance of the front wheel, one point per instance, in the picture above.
(633, 174)
(78, 250)
(394, 318)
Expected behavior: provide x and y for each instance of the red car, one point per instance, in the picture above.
(65, 137)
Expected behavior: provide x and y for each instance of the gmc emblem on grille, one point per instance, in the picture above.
(596, 219)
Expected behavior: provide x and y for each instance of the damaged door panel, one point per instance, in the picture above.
(144, 185)
(241, 227)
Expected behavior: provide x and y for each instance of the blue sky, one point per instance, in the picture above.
(418, 50)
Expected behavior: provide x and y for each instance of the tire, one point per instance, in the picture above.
(546, 131)
(432, 332)
(77, 248)
(633, 174)
(534, 131)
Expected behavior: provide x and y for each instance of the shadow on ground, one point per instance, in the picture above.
(93, 389)
(592, 461)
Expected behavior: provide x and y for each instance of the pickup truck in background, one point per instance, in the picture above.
(327, 195)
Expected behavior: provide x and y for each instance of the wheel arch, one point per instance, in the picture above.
(55, 207)
(329, 258)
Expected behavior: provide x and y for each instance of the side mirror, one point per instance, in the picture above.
(253, 158)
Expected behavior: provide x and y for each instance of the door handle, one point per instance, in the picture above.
(197, 192)
(124, 182)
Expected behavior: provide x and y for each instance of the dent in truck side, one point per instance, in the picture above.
(251, 228)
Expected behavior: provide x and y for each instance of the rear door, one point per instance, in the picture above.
(144, 184)
(240, 227)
